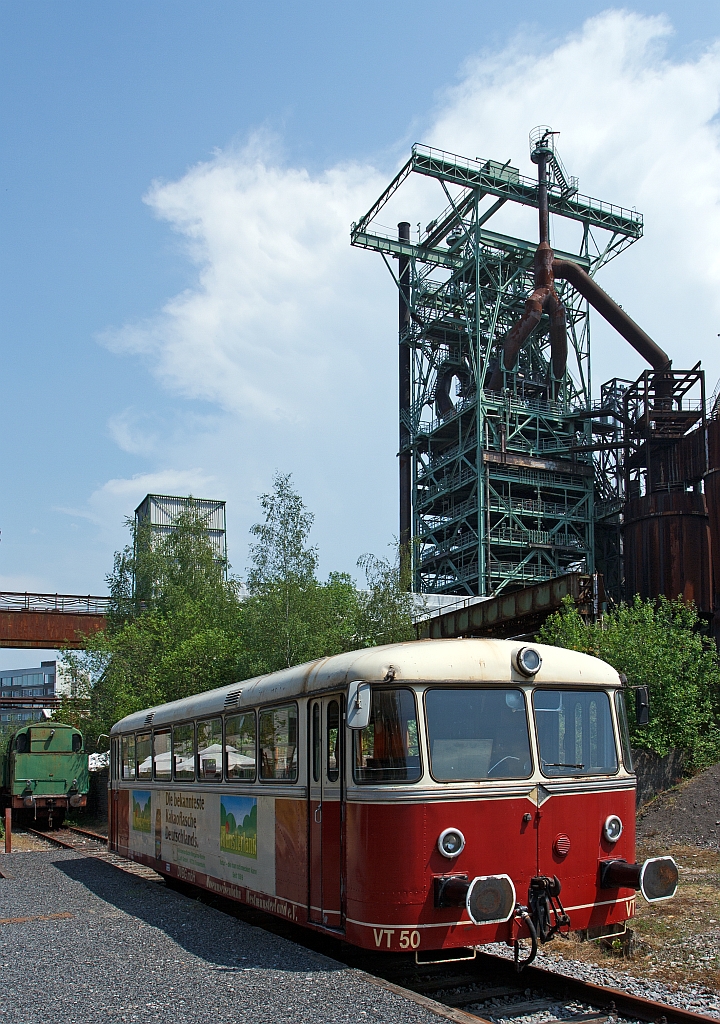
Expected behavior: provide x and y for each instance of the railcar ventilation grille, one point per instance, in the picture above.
(232, 698)
(149, 717)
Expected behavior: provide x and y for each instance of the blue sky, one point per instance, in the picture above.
(180, 308)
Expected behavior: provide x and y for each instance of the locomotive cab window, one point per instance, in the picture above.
(210, 750)
(22, 744)
(388, 750)
(278, 743)
(478, 734)
(575, 732)
(77, 743)
(240, 747)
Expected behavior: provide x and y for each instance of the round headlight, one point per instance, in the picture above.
(612, 829)
(451, 842)
(528, 661)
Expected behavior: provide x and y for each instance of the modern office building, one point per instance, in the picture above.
(27, 682)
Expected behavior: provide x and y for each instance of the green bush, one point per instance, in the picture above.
(655, 644)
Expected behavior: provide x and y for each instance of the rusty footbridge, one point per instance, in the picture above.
(50, 620)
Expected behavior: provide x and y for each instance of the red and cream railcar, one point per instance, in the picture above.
(418, 796)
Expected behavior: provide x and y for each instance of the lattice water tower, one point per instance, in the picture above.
(160, 512)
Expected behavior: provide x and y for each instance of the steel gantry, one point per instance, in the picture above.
(496, 483)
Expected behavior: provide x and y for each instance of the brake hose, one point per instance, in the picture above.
(522, 914)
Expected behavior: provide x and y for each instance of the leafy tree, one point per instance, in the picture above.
(655, 644)
(173, 627)
(290, 616)
(177, 626)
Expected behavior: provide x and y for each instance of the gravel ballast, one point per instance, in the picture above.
(100, 945)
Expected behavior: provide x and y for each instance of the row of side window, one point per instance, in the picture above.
(213, 749)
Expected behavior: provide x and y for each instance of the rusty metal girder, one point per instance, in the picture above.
(522, 611)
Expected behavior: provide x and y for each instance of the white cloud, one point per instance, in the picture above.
(290, 333)
(277, 316)
(125, 494)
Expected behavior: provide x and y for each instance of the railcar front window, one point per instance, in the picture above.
(278, 744)
(388, 749)
(162, 755)
(143, 753)
(624, 730)
(184, 752)
(575, 732)
(210, 750)
(478, 734)
(240, 747)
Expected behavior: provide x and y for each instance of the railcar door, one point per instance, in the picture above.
(325, 810)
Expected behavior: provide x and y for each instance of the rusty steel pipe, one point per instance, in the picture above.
(543, 299)
(610, 311)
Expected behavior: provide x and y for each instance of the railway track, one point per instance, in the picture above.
(489, 989)
(93, 844)
(484, 989)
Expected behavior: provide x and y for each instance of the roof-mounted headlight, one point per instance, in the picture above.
(528, 661)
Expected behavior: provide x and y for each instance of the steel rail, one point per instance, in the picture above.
(565, 987)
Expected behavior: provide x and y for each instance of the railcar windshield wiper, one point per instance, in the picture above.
(548, 764)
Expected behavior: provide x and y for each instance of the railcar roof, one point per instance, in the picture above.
(416, 661)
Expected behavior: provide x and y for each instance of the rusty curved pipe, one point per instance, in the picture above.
(610, 311)
(543, 299)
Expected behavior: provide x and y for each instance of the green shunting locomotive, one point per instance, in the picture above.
(45, 772)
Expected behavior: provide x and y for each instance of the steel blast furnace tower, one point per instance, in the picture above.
(497, 475)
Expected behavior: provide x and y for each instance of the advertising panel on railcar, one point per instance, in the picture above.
(421, 796)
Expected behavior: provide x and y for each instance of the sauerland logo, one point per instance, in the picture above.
(141, 812)
(238, 825)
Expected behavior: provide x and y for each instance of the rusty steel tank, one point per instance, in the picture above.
(667, 547)
(711, 483)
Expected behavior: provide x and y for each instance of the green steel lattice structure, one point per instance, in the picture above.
(502, 484)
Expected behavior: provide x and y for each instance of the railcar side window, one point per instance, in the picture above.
(183, 744)
(278, 744)
(622, 718)
(388, 749)
(333, 741)
(575, 732)
(76, 743)
(127, 748)
(143, 753)
(478, 734)
(240, 747)
(210, 751)
(162, 755)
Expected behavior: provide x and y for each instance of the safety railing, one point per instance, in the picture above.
(70, 604)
